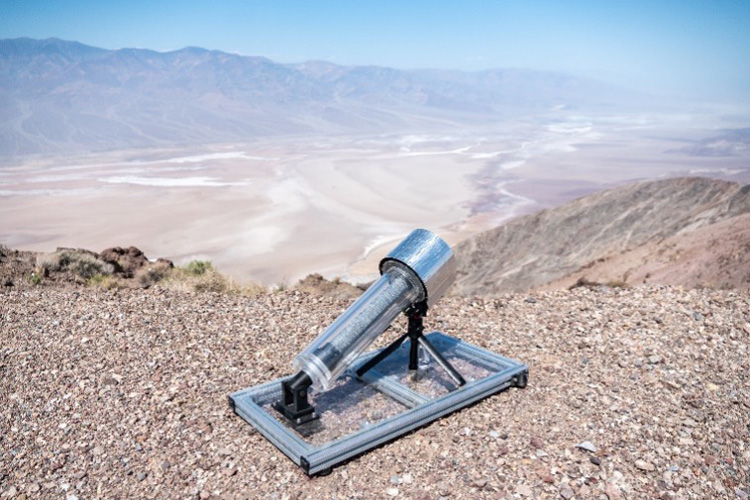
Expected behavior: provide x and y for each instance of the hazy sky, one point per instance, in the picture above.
(679, 45)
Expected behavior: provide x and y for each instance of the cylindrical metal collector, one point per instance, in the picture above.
(419, 269)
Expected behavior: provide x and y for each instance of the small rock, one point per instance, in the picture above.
(33, 487)
(392, 491)
(98, 451)
(480, 483)
(537, 443)
(141, 476)
(567, 493)
(229, 471)
(530, 300)
(395, 479)
(444, 489)
(595, 460)
(524, 490)
(494, 434)
(587, 445)
(72, 497)
(407, 478)
(654, 360)
(645, 466)
(165, 465)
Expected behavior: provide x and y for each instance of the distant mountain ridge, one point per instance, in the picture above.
(563, 244)
(59, 97)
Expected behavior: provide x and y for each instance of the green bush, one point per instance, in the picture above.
(199, 267)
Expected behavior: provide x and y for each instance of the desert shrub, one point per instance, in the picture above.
(617, 284)
(201, 276)
(105, 281)
(151, 274)
(199, 267)
(4, 250)
(78, 262)
(35, 278)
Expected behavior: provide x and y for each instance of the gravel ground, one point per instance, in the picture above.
(122, 394)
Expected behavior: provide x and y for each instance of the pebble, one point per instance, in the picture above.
(480, 483)
(588, 446)
(392, 492)
(645, 466)
(141, 476)
(536, 442)
(595, 460)
(524, 490)
(654, 360)
(566, 493)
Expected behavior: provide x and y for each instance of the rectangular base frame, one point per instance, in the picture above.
(254, 404)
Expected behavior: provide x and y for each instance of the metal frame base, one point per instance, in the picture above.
(252, 403)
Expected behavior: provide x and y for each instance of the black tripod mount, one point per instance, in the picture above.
(414, 333)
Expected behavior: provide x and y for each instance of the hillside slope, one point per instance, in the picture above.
(715, 256)
(537, 249)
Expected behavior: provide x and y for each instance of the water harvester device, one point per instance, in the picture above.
(341, 401)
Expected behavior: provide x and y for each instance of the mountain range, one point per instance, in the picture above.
(59, 97)
(689, 231)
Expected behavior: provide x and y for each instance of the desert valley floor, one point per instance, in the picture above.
(275, 210)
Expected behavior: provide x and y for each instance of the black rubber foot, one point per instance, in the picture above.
(521, 380)
(324, 472)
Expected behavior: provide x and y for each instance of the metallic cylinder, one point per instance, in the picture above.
(419, 269)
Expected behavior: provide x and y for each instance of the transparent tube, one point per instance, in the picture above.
(345, 339)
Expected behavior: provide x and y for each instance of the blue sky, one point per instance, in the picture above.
(679, 46)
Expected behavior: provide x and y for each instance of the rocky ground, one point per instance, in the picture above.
(633, 393)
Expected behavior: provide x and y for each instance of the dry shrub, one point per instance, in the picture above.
(106, 282)
(81, 263)
(151, 274)
(201, 276)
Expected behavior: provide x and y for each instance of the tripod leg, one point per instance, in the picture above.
(413, 353)
(381, 355)
(457, 378)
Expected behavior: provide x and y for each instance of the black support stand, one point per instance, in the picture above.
(294, 404)
(416, 338)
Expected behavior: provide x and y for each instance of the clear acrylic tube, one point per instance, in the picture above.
(369, 316)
